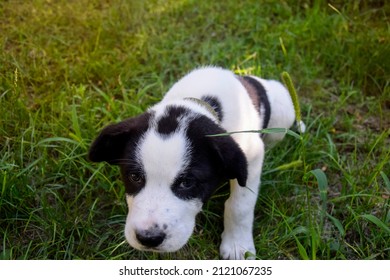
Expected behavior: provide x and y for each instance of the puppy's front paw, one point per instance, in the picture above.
(233, 248)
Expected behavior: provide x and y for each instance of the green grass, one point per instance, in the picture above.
(68, 68)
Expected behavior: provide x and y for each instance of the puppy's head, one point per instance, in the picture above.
(169, 168)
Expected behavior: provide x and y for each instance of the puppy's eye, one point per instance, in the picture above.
(136, 178)
(186, 183)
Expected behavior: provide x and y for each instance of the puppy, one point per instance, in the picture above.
(171, 164)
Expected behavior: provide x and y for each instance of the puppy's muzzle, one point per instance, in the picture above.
(151, 238)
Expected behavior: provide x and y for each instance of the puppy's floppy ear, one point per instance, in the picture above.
(232, 158)
(109, 146)
(225, 150)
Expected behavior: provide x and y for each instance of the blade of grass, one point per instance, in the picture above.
(386, 180)
(337, 224)
(265, 131)
(377, 222)
(294, 97)
(322, 183)
(75, 125)
(302, 250)
(287, 166)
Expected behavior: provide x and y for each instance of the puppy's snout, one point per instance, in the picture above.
(150, 238)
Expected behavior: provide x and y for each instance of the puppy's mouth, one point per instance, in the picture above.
(154, 249)
(159, 249)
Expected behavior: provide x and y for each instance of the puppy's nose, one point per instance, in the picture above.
(150, 238)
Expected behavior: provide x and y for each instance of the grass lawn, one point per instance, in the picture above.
(68, 68)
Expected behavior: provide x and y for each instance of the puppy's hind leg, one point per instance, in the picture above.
(237, 237)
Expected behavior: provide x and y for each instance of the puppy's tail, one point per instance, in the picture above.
(299, 126)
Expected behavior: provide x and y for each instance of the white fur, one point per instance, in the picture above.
(156, 204)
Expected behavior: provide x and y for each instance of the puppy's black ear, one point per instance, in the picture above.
(109, 146)
(224, 149)
(232, 158)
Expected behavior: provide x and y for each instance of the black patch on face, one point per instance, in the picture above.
(200, 179)
(215, 104)
(133, 176)
(214, 160)
(169, 123)
(262, 96)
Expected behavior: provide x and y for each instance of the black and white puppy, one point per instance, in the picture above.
(170, 166)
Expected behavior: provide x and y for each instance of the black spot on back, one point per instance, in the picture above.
(263, 102)
(169, 123)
